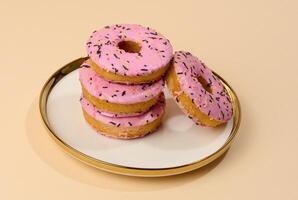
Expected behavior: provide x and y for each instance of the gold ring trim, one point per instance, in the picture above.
(114, 168)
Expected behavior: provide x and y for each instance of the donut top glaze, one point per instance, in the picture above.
(117, 93)
(102, 47)
(215, 103)
(156, 111)
(119, 115)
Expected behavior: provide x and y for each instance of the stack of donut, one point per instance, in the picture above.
(123, 81)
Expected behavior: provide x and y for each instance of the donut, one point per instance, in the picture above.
(129, 53)
(118, 99)
(199, 93)
(124, 127)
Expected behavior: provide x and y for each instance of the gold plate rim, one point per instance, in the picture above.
(124, 170)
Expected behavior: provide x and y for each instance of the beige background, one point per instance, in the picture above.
(252, 44)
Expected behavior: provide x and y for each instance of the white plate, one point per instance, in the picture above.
(178, 146)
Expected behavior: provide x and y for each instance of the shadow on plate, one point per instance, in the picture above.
(50, 153)
(177, 129)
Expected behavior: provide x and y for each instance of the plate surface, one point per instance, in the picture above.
(177, 147)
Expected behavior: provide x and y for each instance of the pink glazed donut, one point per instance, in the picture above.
(129, 53)
(198, 91)
(118, 99)
(124, 127)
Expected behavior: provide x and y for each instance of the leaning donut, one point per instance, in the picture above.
(198, 91)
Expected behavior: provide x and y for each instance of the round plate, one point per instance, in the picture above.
(178, 146)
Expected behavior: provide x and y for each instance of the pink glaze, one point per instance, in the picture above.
(117, 93)
(119, 115)
(102, 47)
(217, 105)
(155, 111)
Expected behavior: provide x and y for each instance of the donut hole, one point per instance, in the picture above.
(129, 46)
(204, 84)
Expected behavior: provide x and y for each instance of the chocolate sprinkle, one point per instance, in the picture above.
(223, 115)
(116, 56)
(125, 68)
(184, 65)
(228, 99)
